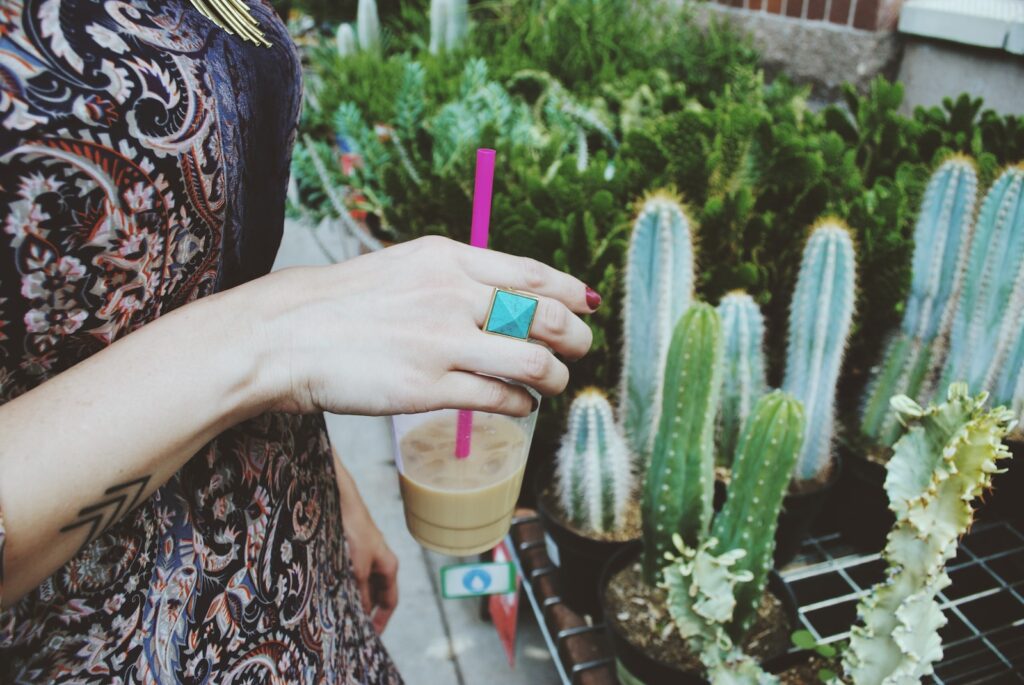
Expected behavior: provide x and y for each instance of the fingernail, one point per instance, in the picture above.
(534, 403)
(593, 298)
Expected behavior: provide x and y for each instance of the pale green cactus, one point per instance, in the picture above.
(659, 287)
(744, 379)
(449, 24)
(942, 238)
(594, 469)
(345, 40)
(368, 26)
(940, 466)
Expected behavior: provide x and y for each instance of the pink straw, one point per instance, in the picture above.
(479, 233)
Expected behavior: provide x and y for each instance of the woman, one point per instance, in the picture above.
(170, 508)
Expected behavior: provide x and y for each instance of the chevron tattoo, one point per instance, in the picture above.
(100, 516)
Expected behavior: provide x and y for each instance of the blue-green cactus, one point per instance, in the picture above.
(595, 477)
(368, 26)
(941, 242)
(345, 40)
(744, 379)
(659, 288)
(449, 24)
(679, 489)
(992, 295)
(939, 467)
(819, 325)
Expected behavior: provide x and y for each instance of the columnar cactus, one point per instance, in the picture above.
(941, 242)
(595, 478)
(448, 24)
(678, 491)
(345, 40)
(659, 288)
(744, 380)
(992, 295)
(762, 467)
(368, 26)
(819, 325)
(943, 463)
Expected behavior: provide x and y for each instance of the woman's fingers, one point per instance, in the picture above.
(528, 275)
(554, 324)
(528, 363)
(466, 390)
(385, 589)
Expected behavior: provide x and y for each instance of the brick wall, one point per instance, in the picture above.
(870, 15)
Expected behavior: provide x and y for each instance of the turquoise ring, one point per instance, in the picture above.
(511, 314)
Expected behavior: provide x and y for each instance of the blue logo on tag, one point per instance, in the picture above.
(476, 580)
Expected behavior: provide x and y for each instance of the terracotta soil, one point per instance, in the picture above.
(639, 612)
(630, 530)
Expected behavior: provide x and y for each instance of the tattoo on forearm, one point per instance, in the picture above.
(100, 516)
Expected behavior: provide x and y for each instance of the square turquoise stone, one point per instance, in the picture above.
(511, 314)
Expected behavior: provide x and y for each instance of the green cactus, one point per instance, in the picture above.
(744, 381)
(368, 26)
(595, 478)
(762, 467)
(678, 491)
(940, 466)
(448, 24)
(659, 288)
(992, 295)
(345, 40)
(819, 326)
(941, 242)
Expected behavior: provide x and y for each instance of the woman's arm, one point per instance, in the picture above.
(392, 332)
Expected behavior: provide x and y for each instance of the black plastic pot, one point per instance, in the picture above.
(580, 559)
(799, 512)
(862, 494)
(646, 668)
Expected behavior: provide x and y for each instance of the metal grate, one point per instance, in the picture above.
(983, 641)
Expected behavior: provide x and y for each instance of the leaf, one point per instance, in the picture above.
(803, 639)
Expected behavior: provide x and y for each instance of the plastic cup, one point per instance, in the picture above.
(460, 506)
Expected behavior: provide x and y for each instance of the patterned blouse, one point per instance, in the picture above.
(143, 164)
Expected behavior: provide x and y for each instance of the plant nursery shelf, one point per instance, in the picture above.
(983, 640)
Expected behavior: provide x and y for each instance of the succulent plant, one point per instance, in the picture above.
(819, 326)
(594, 469)
(659, 288)
(940, 466)
(345, 40)
(368, 26)
(744, 377)
(985, 327)
(941, 241)
(449, 24)
(678, 491)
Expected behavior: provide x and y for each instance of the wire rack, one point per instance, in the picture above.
(983, 642)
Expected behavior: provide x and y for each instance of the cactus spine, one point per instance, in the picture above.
(659, 288)
(368, 26)
(448, 24)
(819, 324)
(744, 381)
(595, 479)
(941, 242)
(993, 287)
(678, 492)
(762, 468)
(939, 467)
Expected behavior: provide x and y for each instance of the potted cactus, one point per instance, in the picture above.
(962, 321)
(591, 511)
(678, 518)
(943, 463)
(598, 456)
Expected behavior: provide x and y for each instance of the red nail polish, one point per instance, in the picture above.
(593, 298)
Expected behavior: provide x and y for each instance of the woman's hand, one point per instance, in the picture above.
(398, 331)
(374, 565)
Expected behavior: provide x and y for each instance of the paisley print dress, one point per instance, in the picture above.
(143, 164)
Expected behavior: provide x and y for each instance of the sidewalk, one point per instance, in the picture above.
(433, 641)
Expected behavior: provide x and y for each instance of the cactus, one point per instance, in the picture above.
(941, 242)
(944, 462)
(819, 325)
(659, 288)
(993, 287)
(762, 467)
(678, 491)
(448, 24)
(595, 479)
(368, 26)
(744, 382)
(345, 39)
